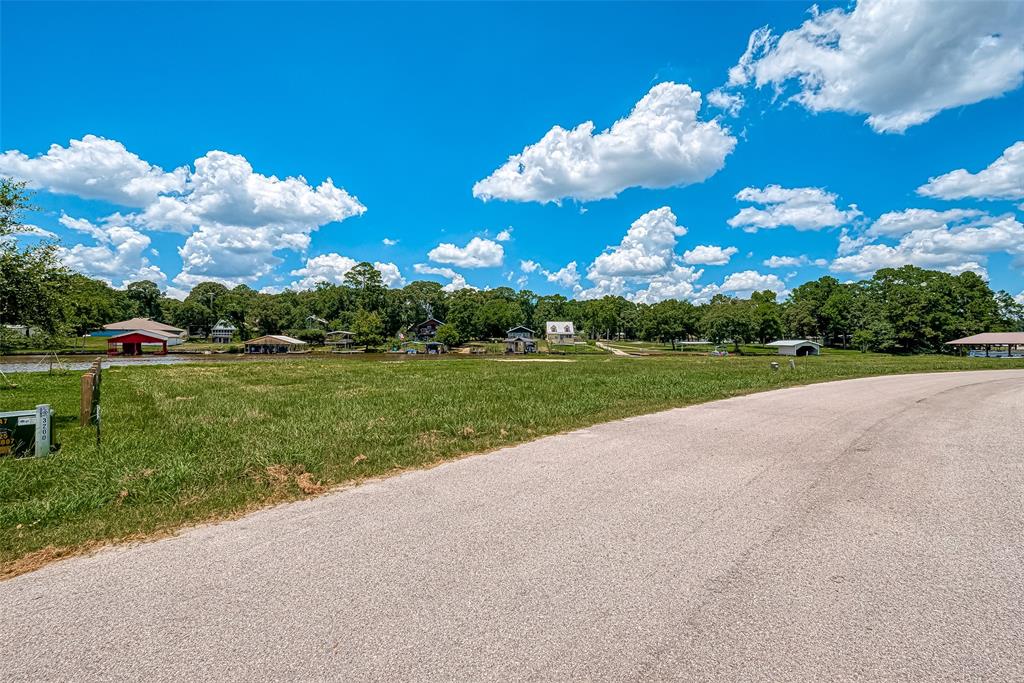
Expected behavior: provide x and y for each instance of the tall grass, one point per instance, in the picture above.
(187, 443)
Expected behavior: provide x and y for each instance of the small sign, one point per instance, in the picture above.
(26, 433)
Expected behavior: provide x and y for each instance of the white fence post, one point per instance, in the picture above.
(42, 430)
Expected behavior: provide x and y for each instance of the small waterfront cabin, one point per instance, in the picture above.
(339, 340)
(796, 347)
(222, 332)
(275, 343)
(560, 332)
(520, 340)
(131, 343)
(427, 329)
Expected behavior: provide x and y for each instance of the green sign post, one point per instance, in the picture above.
(26, 432)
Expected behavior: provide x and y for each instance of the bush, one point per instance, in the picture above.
(448, 335)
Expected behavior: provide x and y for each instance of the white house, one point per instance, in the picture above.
(222, 332)
(560, 332)
(797, 347)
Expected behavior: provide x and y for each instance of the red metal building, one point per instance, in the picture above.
(130, 343)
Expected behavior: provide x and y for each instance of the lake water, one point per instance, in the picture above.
(19, 364)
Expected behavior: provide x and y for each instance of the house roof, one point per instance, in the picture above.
(991, 338)
(224, 325)
(428, 320)
(793, 342)
(151, 334)
(521, 327)
(147, 324)
(275, 339)
(559, 327)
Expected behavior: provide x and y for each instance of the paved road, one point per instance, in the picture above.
(869, 529)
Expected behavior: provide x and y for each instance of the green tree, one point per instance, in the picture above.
(368, 285)
(767, 316)
(33, 283)
(496, 315)
(269, 314)
(93, 303)
(367, 329)
(144, 297)
(463, 313)
(728, 319)
(448, 335)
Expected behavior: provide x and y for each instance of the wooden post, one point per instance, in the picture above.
(85, 404)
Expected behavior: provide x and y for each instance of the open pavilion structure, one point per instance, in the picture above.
(992, 344)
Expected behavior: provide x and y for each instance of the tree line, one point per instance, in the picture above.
(906, 309)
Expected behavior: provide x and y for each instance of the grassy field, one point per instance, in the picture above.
(188, 443)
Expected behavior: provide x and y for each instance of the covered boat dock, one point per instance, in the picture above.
(992, 345)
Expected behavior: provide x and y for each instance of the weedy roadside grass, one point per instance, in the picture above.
(189, 443)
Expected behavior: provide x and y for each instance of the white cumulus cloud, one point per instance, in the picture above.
(900, 62)
(528, 266)
(94, 168)
(662, 143)
(804, 208)
(478, 253)
(953, 248)
(236, 220)
(331, 268)
(896, 223)
(456, 280)
(647, 248)
(793, 261)
(709, 255)
(1002, 179)
(744, 283)
(505, 235)
(730, 102)
(678, 282)
(566, 276)
(117, 257)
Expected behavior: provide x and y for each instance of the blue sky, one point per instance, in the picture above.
(409, 107)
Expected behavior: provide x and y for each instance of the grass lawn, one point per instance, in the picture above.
(207, 440)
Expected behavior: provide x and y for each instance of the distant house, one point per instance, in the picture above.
(22, 330)
(797, 347)
(143, 325)
(427, 329)
(313, 322)
(520, 340)
(222, 332)
(560, 332)
(339, 340)
(130, 343)
(275, 343)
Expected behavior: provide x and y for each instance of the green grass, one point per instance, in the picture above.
(188, 443)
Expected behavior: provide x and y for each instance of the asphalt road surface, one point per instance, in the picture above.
(868, 529)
